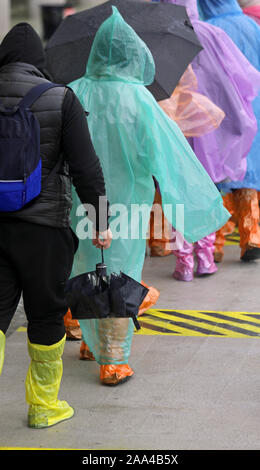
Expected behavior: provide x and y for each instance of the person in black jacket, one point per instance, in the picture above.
(37, 245)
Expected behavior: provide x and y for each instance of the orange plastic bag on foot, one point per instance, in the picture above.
(85, 354)
(113, 374)
(72, 327)
(150, 300)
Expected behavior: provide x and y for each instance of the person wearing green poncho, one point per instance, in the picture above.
(136, 142)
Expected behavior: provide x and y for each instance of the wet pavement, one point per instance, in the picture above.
(190, 391)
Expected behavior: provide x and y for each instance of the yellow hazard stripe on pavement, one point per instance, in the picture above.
(232, 238)
(197, 323)
(200, 323)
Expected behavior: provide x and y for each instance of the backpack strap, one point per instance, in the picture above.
(35, 93)
(28, 100)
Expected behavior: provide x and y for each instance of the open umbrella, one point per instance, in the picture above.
(165, 29)
(99, 295)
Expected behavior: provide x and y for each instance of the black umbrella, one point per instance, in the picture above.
(97, 295)
(165, 28)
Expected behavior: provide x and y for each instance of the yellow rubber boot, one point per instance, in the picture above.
(42, 386)
(2, 350)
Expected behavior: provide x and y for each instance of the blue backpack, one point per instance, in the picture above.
(20, 160)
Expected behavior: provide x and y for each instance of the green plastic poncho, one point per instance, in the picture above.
(135, 141)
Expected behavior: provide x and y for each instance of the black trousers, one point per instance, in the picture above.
(35, 261)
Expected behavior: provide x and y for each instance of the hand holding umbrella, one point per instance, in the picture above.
(102, 239)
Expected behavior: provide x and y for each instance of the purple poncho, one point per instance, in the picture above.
(227, 78)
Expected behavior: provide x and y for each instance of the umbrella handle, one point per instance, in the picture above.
(102, 254)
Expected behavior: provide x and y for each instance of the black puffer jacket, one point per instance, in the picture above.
(64, 132)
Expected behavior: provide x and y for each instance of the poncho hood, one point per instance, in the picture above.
(118, 53)
(212, 8)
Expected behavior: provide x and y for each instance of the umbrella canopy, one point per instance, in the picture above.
(97, 295)
(164, 28)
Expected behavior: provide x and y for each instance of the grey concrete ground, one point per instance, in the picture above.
(187, 392)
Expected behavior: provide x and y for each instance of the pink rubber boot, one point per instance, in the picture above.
(185, 261)
(204, 250)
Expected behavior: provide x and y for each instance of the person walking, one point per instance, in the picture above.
(36, 243)
(196, 115)
(227, 78)
(137, 143)
(245, 32)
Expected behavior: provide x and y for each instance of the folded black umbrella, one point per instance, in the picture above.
(88, 297)
(165, 28)
(97, 295)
